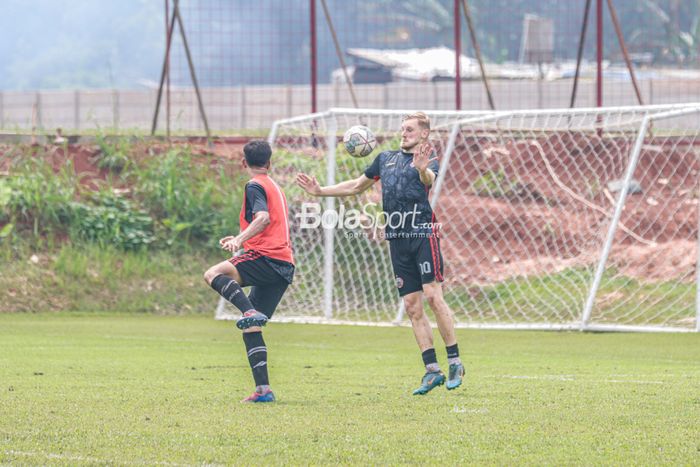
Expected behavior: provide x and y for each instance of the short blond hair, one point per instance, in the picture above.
(421, 117)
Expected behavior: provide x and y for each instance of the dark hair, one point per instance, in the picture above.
(257, 153)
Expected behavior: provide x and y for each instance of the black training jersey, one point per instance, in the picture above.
(255, 200)
(404, 197)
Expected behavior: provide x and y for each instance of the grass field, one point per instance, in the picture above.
(122, 389)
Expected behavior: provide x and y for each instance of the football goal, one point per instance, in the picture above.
(550, 219)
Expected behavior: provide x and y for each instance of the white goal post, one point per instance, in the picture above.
(551, 219)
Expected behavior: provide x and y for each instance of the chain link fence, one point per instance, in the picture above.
(257, 62)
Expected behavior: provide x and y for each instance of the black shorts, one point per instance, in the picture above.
(416, 261)
(268, 279)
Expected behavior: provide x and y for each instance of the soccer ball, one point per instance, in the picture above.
(359, 141)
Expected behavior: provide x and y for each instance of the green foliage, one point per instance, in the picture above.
(556, 297)
(112, 220)
(72, 263)
(174, 200)
(5, 197)
(5, 194)
(492, 184)
(6, 230)
(36, 198)
(113, 156)
(87, 276)
(560, 297)
(192, 202)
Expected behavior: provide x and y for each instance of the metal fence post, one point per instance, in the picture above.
(314, 55)
(37, 104)
(243, 108)
(435, 96)
(288, 92)
(115, 109)
(76, 109)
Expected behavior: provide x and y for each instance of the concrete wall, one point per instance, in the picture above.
(256, 107)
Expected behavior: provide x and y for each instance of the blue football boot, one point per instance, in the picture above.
(266, 396)
(430, 381)
(455, 376)
(251, 318)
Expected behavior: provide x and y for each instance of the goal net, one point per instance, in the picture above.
(550, 219)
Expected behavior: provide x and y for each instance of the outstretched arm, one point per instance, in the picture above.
(349, 187)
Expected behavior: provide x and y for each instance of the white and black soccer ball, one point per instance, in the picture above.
(359, 141)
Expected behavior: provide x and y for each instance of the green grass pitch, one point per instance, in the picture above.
(77, 389)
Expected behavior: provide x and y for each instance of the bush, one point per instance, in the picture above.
(112, 156)
(36, 198)
(193, 202)
(173, 199)
(112, 221)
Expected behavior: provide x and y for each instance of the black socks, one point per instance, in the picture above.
(453, 354)
(257, 357)
(430, 361)
(231, 291)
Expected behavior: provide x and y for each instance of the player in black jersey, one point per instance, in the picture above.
(413, 234)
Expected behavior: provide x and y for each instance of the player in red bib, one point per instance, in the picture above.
(266, 262)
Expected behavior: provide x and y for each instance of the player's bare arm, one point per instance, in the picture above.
(347, 188)
(261, 220)
(421, 159)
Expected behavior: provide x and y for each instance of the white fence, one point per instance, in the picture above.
(257, 107)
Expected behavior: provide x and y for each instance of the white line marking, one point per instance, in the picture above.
(457, 409)
(538, 377)
(579, 379)
(67, 457)
(633, 381)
